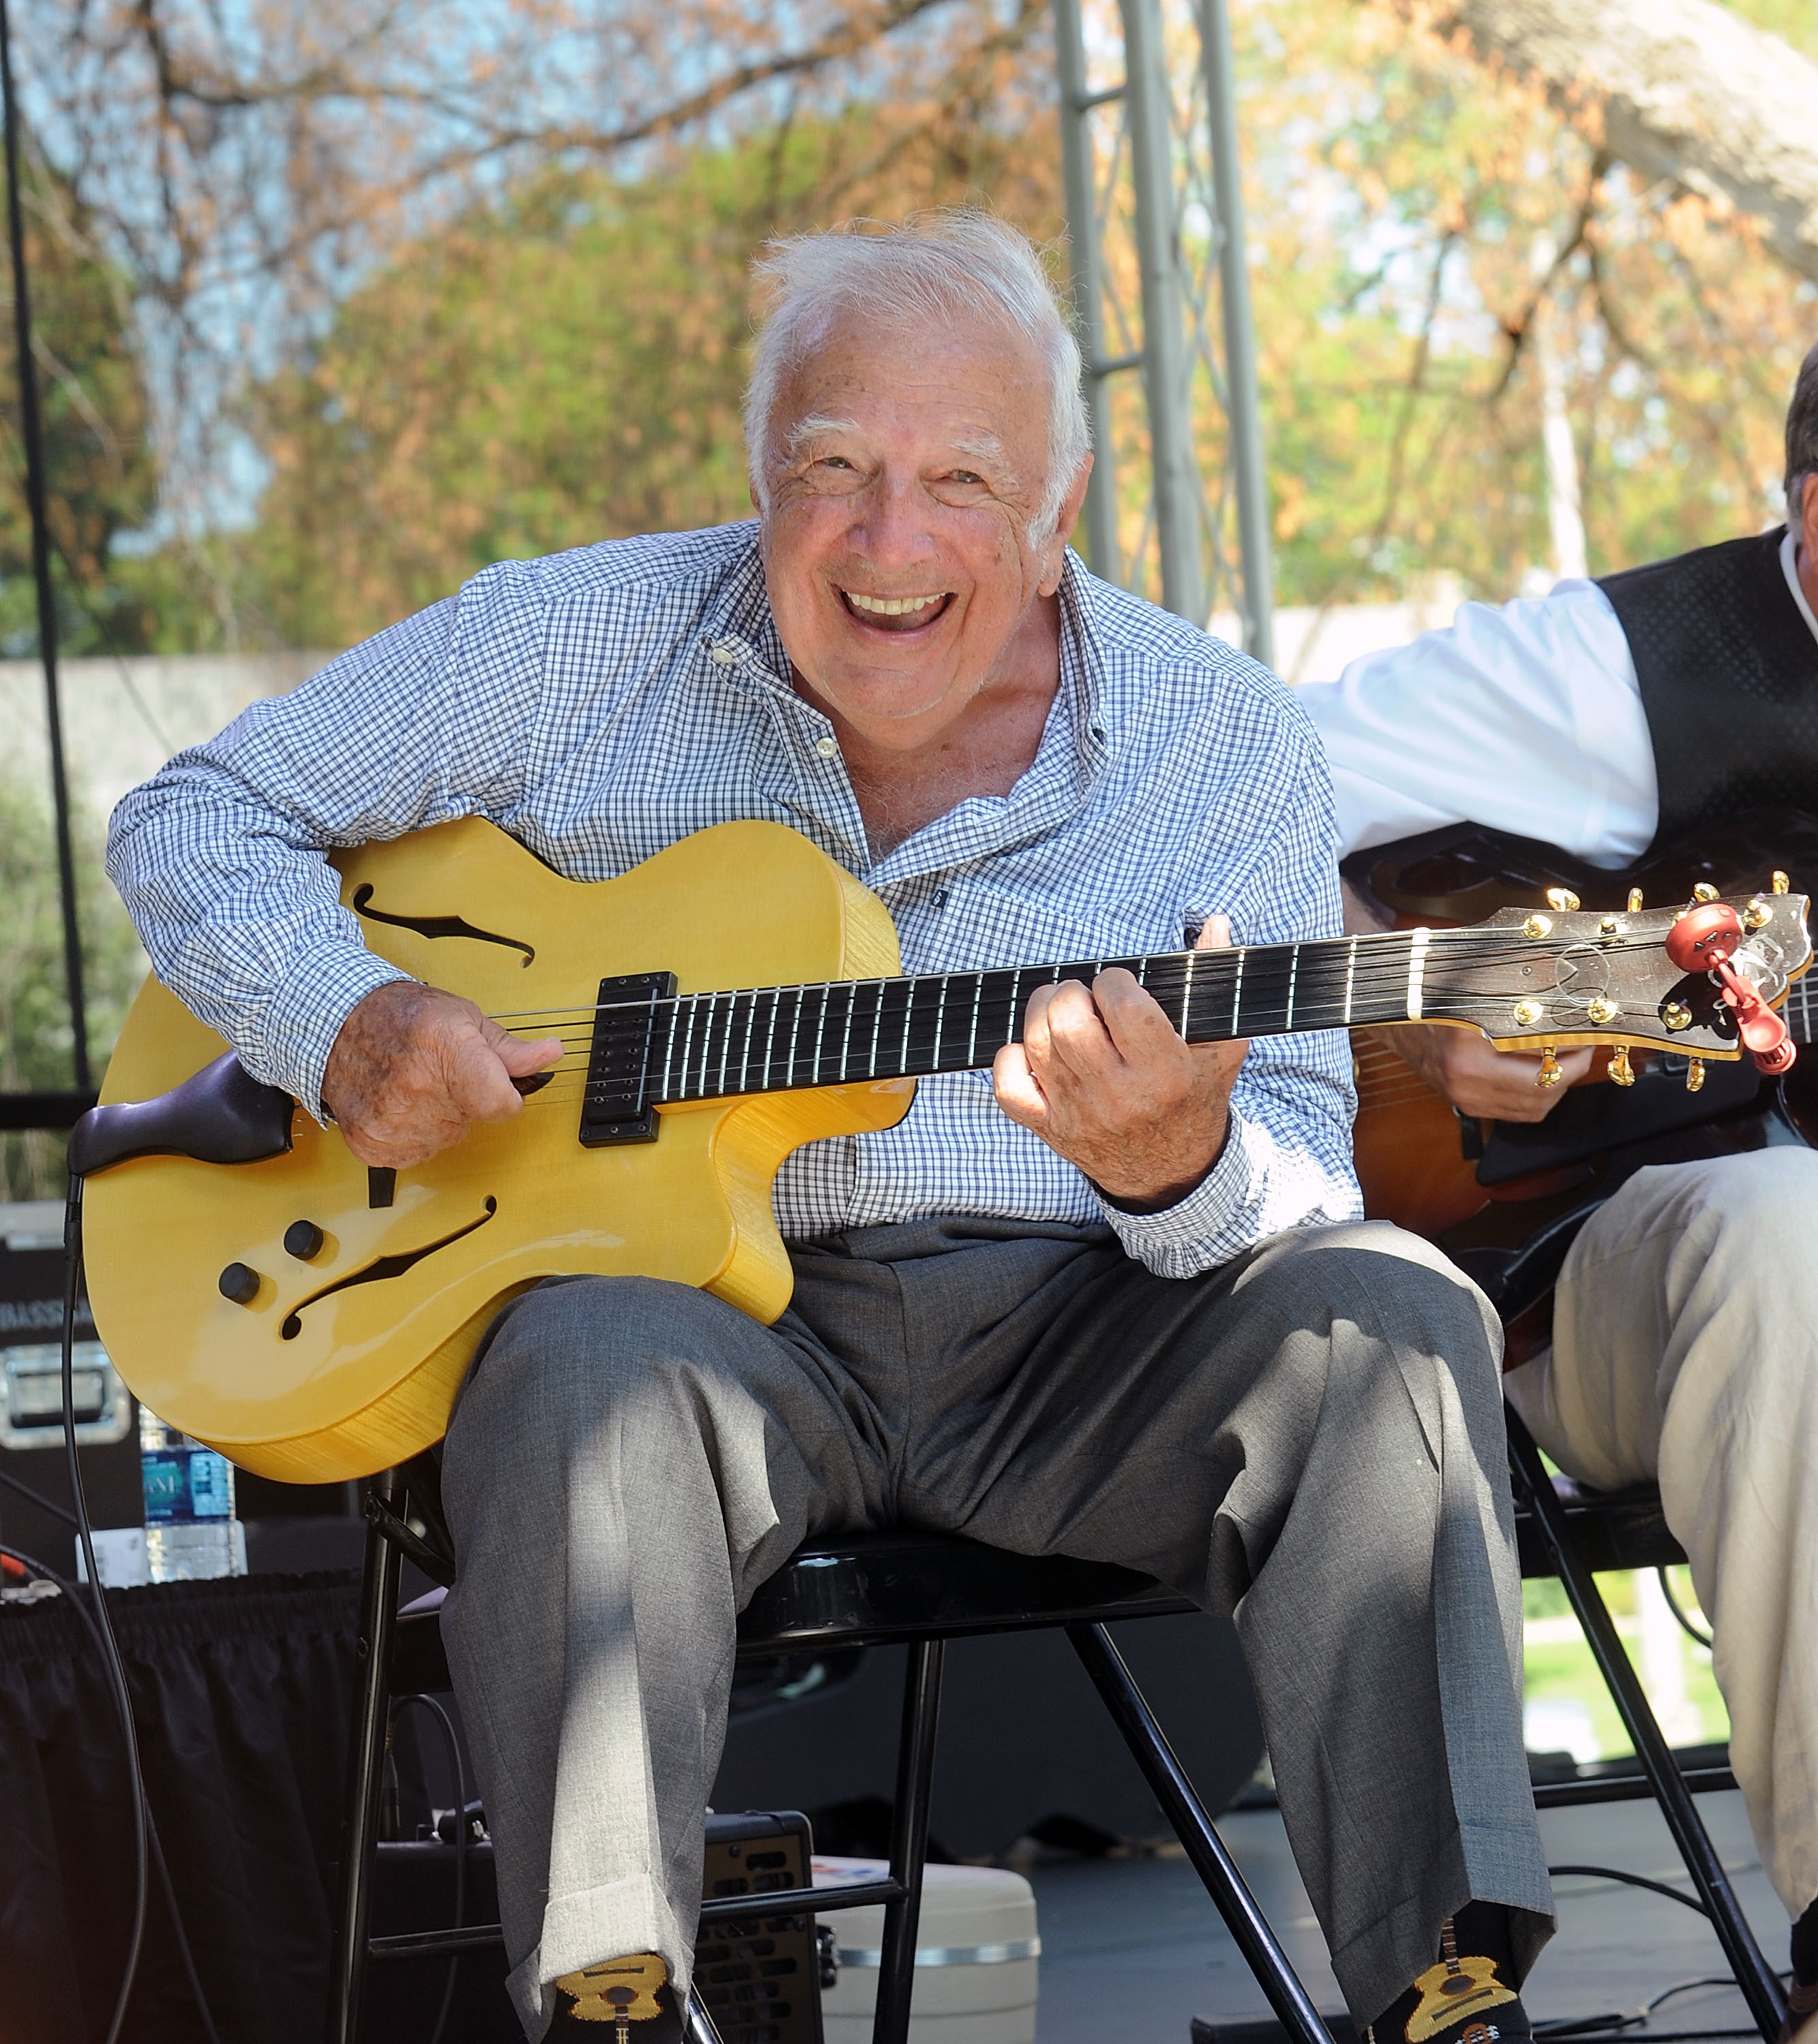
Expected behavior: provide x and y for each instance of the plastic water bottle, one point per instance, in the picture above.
(190, 1530)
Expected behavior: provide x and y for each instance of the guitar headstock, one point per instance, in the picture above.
(1537, 980)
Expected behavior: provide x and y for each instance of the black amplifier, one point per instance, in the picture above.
(31, 1396)
(759, 1975)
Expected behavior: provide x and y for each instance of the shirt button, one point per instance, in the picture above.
(828, 748)
(722, 655)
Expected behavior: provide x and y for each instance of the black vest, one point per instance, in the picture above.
(1728, 670)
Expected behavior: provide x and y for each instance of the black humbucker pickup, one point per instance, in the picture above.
(617, 1106)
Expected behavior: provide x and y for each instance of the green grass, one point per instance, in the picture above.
(1561, 1671)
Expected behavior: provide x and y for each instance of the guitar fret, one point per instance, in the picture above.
(693, 1003)
(1237, 996)
(1417, 972)
(972, 1036)
(669, 1050)
(745, 1054)
(794, 1031)
(1350, 978)
(1294, 975)
(1186, 997)
(726, 1041)
(909, 1013)
(846, 1034)
(770, 1037)
(939, 1017)
(877, 1024)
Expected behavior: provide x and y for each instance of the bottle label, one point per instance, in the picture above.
(185, 1483)
(211, 1485)
(166, 1479)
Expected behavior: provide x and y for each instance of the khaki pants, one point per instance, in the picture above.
(1685, 1350)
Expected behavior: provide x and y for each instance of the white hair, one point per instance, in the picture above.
(938, 268)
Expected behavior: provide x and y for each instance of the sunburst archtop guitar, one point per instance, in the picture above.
(728, 1000)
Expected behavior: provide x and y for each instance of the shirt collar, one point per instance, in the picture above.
(738, 628)
(1789, 566)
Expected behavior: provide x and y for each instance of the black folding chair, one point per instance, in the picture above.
(1572, 1533)
(924, 1589)
(870, 1589)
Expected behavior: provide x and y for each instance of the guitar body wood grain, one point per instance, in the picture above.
(318, 1378)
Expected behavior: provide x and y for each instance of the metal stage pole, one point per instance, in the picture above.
(1244, 409)
(1166, 368)
(31, 433)
(1077, 102)
(1175, 230)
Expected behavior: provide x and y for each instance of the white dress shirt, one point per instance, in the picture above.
(1525, 718)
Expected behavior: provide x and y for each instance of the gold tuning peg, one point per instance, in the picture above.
(1694, 1074)
(1635, 901)
(1703, 892)
(1550, 1073)
(1621, 1071)
(1780, 884)
(1562, 898)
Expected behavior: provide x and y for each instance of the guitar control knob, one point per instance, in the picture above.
(302, 1240)
(240, 1283)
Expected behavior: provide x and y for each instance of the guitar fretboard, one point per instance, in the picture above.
(710, 1046)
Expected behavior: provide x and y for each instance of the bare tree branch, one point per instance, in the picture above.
(1685, 88)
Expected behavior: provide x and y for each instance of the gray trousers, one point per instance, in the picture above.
(1310, 1438)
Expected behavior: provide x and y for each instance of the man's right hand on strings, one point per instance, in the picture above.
(414, 1068)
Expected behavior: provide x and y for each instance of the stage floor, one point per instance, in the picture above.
(1133, 1948)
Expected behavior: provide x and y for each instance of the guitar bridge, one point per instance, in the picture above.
(617, 1107)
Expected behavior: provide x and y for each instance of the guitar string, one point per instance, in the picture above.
(1380, 973)
(1512, 951)
(1449, 988)
(562, 1088)
(1402, 1086)
(1442, 987)
(1256, 1022)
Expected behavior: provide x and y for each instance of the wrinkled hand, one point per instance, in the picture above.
(1103, 1079)
(414, 1068)
(1477, 1078)
(1458, 1064)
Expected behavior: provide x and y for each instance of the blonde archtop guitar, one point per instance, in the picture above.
(728, 1000)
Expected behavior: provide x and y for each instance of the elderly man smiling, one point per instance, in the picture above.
(1111, 1301)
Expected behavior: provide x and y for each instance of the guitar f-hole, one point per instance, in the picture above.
(383, 1267)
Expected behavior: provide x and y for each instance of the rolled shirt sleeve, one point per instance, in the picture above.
(221, 857)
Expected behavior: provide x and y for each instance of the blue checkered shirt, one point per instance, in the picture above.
(601, 703)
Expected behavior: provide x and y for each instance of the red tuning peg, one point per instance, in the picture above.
(1704, 939)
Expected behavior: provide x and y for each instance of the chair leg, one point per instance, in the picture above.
(909, 1840)
(366, 1770)
(1193, 1825)
(1760, 1986)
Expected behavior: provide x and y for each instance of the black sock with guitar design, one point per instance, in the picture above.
(1802, 1994)
(1468, 1996)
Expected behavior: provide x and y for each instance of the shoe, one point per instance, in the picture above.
(1802, 2014)
(622, 1992)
